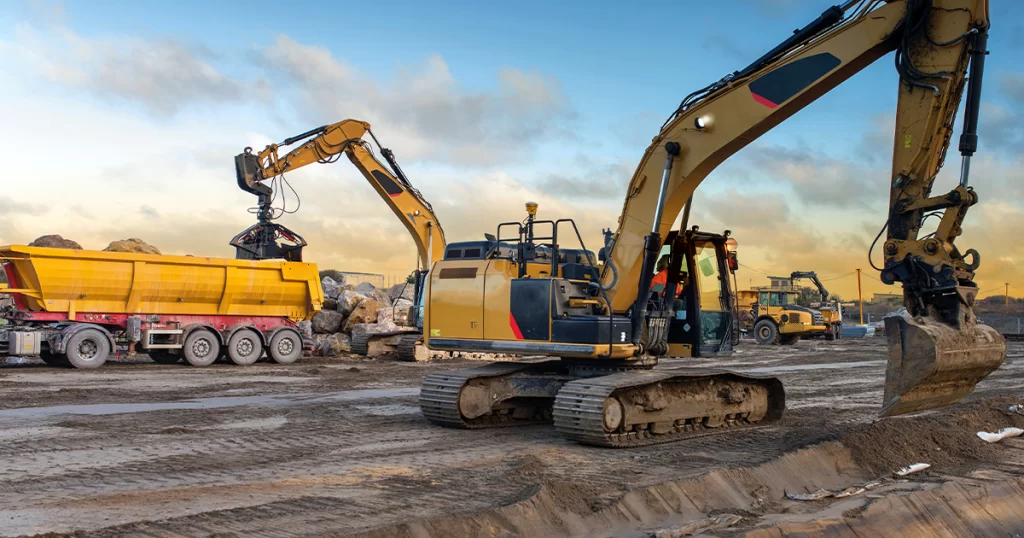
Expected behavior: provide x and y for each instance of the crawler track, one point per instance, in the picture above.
(579, 408)
(439, 397)
(407, 347)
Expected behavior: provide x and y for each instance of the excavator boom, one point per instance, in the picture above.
(941, 352)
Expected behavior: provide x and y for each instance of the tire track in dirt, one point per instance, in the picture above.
(350, 467)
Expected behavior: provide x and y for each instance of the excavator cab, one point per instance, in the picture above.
(702, 313)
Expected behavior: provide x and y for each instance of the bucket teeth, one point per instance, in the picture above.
(932, 364)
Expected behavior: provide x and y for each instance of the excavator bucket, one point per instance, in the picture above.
(932, 364)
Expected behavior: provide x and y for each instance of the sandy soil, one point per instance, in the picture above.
(335, 448)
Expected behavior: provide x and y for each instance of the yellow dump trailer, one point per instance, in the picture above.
(171, 307)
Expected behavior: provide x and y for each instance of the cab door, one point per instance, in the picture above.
(716, 321)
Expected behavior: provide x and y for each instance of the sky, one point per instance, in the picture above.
(121, 119)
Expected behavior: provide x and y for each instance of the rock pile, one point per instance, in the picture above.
(357, 310)
(132, 244)
(55, 241)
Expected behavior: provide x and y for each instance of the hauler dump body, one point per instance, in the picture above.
(78, 307)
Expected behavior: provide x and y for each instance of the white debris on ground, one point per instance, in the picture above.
(698, 527)
(910, 469)
(1018, 409)
(1000, 435)
(826, 494)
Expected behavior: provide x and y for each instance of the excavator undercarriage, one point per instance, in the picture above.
(596, 405)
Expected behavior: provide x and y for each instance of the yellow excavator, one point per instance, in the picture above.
(607, 329)
(267, 239)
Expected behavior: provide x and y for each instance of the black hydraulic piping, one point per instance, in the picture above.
(652, 246)
(828, 18)
(969, 138)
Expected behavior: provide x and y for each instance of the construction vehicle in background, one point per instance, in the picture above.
(79, 307)
(831, 310)
(777, 317)
(263, 174)
(608, 332)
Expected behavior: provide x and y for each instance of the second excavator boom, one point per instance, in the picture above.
(324, 145)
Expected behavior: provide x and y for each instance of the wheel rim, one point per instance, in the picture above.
(244, 347)
(201, 347)
(765, 332)
(285, 347)
(88, 349)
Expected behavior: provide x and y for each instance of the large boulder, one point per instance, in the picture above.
(327, 321)
(365, 312)
(402, 291)
(348, 300)
(373, 328)
(132, 244)
(336, 345)
(331, 287)
(55, 241)
(369, 290)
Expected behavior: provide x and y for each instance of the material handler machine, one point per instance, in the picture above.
(324, 145)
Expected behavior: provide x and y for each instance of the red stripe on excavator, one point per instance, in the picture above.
(763, 101)
(397, 194)
(515, 326)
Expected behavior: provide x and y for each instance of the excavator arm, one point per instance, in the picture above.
(813, 277)
(324, 145)
(937, 356)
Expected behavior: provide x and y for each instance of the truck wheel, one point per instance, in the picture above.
(88, 348)
(164, 357)
(201, 348)
(285, 347)
(245, 347)
(830, 334)
(766, 332)
(789, 339)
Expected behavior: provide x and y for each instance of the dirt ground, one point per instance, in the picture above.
(338, 448)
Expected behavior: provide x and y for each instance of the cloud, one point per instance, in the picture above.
(1012, 84)
(604, 182)
(162, 74)
(9, 207)
(1001, 125)
(424, 107)
(818, 180)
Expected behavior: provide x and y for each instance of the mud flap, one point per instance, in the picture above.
(932, 364)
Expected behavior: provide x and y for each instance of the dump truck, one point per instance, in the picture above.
(77, 308)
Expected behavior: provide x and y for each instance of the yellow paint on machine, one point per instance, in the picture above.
(64, 280)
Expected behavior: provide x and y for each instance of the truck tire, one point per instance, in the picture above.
(766, 332)
(245, 347)
(285, 347)
(201, 348)
(88, 348)
(830, 334)
(789, 339)
(164, 357)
